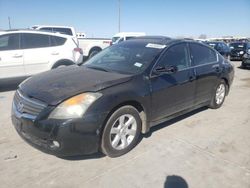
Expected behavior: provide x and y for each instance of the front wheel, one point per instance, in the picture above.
(121, 132)
(219, 95)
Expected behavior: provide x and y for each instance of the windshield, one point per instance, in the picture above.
(129, 57)
(238, 46)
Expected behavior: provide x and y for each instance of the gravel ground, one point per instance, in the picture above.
(204, 149)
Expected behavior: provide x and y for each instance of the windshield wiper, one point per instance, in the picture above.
(98, 68)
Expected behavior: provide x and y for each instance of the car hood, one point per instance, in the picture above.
(54, 86)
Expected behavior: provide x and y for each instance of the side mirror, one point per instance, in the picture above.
(165, 69)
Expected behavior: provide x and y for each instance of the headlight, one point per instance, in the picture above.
(241, 52)
(74, 107)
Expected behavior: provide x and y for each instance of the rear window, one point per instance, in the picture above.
(202, 54)
(57, 41)
(9, 42)
(46, 29)
(30, 40)
(66, 31)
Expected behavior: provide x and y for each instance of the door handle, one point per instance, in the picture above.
(191, 78)
(17, 56)
(54, 53)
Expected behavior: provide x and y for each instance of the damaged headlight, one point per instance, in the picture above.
(74, 107)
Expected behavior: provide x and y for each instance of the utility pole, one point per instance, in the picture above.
(119, 16)
(9, 22)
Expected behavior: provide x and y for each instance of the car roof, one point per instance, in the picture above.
(53, 26)
(153, 39)
(217, 42)
(162, 40)
(34, 31)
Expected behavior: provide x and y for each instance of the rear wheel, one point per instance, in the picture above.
(121, 132)
(61, 64)
(94, 52)
(219, 95)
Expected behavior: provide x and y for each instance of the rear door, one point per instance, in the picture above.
(207, 68)
(173, 92)
(11, 56)
(38, 52)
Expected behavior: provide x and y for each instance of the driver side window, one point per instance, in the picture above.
(175, 56)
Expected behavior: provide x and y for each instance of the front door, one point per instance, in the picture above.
(173, 92)
(11, 56)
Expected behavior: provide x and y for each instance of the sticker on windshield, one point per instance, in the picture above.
(138, 64)
(158, 46)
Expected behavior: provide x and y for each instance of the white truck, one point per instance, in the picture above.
(92, 46)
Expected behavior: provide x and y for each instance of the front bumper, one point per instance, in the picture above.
(236, 56)
(75, 136)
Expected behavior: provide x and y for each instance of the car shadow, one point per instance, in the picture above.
(243, 68)
(175, 182)
(83, 157)
(10, 84)
(172, 121)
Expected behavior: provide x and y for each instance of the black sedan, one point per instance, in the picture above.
(246, 59)
(105, 104)
(238, 49)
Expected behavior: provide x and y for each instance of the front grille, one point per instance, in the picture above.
(26, 105)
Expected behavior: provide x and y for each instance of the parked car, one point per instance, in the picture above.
(92, 46)
(221, 47)
(66, 30)
(123, 36)
(27, 52)
(238, 49)
(246, 59)
(119, 94)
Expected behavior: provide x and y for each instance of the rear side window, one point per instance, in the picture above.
(57, 41)
(201, 54)
(9, 42)
(30, 40)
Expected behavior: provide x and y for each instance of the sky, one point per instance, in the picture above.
(99, 18)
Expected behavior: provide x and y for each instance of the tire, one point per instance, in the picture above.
(117, 132)
(219, 95)
(62, 64)
(93, 53)
(243, 65)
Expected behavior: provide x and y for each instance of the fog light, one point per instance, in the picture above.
(54, 144)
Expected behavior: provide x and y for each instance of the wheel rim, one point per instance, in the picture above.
(220, 94)
(123, 131)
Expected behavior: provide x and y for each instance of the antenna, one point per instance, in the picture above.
(119, 15)
(9, 22)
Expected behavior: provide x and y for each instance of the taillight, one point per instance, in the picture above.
(107, 42)
(78, 50)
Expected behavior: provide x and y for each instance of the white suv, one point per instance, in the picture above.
(28, 52)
